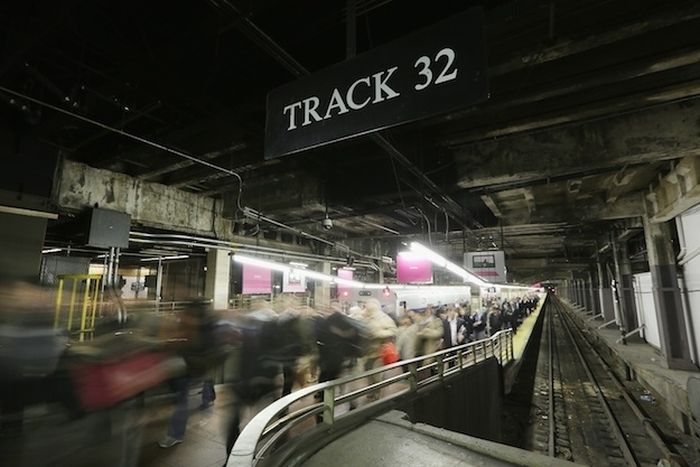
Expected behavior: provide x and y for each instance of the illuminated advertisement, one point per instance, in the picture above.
(256, 280)
(413, 269)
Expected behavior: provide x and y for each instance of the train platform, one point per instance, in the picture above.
(521, 340)
(97, 440)
(640, 361)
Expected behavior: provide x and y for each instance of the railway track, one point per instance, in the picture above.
(584, 413)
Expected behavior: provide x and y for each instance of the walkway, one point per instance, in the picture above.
(391, 440)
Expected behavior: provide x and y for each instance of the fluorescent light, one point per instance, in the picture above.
(50, 250)
(519, 287)
(261, 263)
(299, 265)
(319, 276)
(428, 253)
(163, 258)
(450, 266)
(348, 282)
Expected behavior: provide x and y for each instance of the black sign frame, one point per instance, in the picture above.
(438, 69)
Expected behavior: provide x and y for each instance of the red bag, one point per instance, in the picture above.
(389, 353)
(100, 385)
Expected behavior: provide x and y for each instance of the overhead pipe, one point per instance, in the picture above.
(252, 249)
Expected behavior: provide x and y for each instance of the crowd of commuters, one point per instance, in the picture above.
(274, 348)
(441, 327)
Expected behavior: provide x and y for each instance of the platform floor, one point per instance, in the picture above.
(667, 385)
(88, 441)
(522, 337)
(390, 440)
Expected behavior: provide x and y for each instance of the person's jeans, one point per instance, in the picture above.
(208, 394)
(178, 421)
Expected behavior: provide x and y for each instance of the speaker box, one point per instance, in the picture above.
(108, 228)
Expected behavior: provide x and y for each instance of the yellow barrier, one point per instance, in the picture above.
(88, 305)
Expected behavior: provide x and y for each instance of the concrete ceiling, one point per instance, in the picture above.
(590, 103)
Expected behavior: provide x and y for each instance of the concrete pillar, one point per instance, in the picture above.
(21, 239)
(614, 290)
(625, 292)
(579, 293)
(218, 279)
(595, 305)
(586, 294)
(667, 295)
(322, 290)
(605, 293)
(601, 285)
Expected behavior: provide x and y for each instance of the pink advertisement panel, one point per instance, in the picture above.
(256, 279)
(413, 269)
(344, 291)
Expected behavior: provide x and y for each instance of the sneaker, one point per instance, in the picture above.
(168, 442)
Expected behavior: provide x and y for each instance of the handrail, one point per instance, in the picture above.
(247, 450)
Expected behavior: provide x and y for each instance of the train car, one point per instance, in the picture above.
(396, 300)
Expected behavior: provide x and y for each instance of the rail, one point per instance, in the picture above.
(648, 425)
(273, 424)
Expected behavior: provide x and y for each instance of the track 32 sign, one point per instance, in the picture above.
(435, 70)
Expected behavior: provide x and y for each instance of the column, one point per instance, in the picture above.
(623, 271)
(21, 239)
(606, 299)
(579, 293)
(218, 279)
(595, 305)
(322, 290)
(586, 295)
(667, 295)
(601, 286)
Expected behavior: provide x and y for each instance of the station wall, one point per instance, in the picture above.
(646, 310)
(689, 261)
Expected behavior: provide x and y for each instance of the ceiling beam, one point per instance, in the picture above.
(676, 192)
(650, 135)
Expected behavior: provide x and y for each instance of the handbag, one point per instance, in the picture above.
(389, 353)
(105, 383)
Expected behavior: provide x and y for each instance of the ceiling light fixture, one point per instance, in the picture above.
(163, 258)
(449, 265)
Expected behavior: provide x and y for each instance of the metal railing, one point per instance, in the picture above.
(85, 290)
(273, 425)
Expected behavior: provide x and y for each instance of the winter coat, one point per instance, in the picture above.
(430, 331)
(407, 340)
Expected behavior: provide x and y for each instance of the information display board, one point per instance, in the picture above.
(490, 265)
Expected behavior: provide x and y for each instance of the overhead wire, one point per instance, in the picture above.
(126, 134)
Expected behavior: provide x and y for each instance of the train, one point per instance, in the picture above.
(397, 299)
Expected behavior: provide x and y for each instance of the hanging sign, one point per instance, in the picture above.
(435, 70)
(489, 265)
(413, 269)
